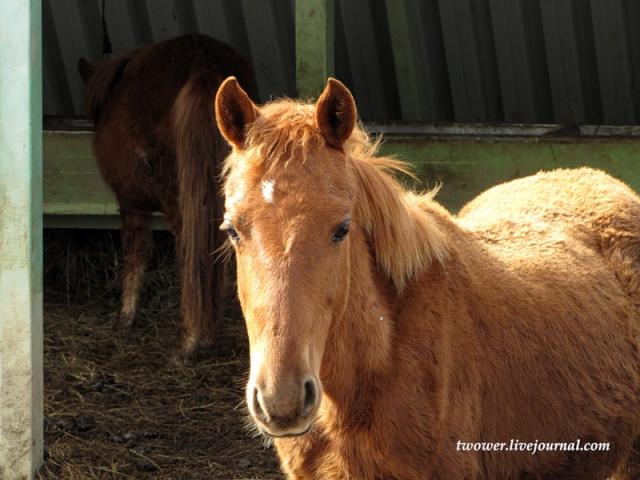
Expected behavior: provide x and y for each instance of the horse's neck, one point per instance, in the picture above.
(357, 356)
(358, 362)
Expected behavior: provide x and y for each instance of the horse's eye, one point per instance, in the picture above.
(230, 230)
(341, 232)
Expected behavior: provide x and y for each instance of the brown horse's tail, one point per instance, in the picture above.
(200, 151)
(100, 80)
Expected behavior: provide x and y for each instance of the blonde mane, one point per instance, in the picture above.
(404, 238)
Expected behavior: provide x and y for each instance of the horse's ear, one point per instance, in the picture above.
(336, 113)
(86, 70)
(234, 112)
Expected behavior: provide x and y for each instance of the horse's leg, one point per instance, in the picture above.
(136, 242)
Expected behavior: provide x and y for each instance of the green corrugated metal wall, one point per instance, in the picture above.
(531, 61)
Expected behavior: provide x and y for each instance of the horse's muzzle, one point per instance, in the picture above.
(288, 415)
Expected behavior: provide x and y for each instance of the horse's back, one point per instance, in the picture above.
(156, 74)
(567, 245)
(559, 213)
(571, 196)
(135, 138)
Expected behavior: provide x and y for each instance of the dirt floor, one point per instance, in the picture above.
(123, 405)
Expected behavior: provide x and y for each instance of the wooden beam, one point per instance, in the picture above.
(315, 23)
(73, 184)
(21, 343)
(465, 167)
(466, 159)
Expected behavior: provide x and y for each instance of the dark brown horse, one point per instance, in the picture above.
(158, 148)
(391, 340)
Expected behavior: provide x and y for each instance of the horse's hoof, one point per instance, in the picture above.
(194, 349)
(125, 322)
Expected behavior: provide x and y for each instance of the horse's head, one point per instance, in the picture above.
(299, 178)
(289, 200)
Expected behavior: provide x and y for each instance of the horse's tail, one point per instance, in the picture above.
(200, 151)
(100, 80)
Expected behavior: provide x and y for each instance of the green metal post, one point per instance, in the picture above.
(21, 422)
(314, 45)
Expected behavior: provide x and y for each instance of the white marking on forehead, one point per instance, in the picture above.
(267, 190)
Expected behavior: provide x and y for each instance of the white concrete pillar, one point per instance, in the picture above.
(21, 426)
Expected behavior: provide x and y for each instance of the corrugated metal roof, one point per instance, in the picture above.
(532, 61)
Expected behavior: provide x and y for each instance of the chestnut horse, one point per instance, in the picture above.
(384, 331)
(158, 148)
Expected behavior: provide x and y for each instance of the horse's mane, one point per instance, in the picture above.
(102, 82)
(404, 238)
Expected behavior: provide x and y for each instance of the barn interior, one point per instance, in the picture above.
(470, 92)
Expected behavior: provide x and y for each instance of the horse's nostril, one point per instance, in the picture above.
(257, 406)
(310, 396)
